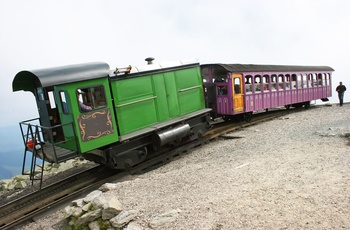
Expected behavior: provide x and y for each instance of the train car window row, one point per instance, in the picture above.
(91, 98)
(258, 83)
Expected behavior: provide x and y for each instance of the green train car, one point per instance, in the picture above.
(117, 118)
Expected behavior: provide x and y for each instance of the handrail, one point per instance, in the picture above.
(190, 88)
(134, 102)
(35, 132)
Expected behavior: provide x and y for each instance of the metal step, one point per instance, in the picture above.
(55, 154)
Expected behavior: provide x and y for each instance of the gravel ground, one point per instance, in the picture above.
(289, 173)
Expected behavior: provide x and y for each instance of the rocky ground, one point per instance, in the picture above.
(289, 173)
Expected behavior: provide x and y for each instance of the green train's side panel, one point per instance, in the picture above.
(190, 91)
(172, 97)
(161, 100)
(135, 104)
(142, 101)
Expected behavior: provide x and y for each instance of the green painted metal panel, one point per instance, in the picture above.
(135, 103)
(84, 125)
(161, 100)
(144, 100)
(172, 97)
(66, 118)
(190, 90)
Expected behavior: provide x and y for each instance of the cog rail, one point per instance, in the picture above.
(29, 206)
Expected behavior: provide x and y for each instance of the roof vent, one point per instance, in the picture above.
(149, 60)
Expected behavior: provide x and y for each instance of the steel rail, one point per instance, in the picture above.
(27, 207)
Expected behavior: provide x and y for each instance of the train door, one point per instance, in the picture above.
(43, 103)
(48, 113)
(65, 114)
(238, 97)
(93, 114)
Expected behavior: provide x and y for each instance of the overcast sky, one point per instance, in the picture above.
(40, 34)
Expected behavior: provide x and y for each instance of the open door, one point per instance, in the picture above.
(238, 100)
(48, 113)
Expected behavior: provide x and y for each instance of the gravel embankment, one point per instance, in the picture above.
(289, 173)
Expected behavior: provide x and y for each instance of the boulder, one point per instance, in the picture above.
(123, 218)
(108, 187)
(164, 218)
(89, 217)
(111, 208)
(91, 196)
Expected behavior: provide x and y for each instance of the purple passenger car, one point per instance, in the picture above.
(232, 89)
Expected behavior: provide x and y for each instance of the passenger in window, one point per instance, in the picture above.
(237, 89)
(222, 90)
(341, 89)
(248, 89)
(82, 106)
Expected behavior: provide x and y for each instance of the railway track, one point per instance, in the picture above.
(27, 207)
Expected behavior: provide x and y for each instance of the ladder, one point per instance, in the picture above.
(37, 150)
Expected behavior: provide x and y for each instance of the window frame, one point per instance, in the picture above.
(65, 109)
(89, 99)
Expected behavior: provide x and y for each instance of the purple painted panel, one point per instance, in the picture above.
(274, 99)
(258, 101)
(266, 100)
(281, 100)
(249, 102)
(288, 97)
(306, 95)
(300, 95)
(320, 91)
(329, 91)
(223, 105)
(294, 96)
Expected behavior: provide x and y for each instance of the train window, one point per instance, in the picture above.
(40, 93)
(91, 98)
(52, 100)
(309, 80)
(63, 102)
(320, 79)
(287, 81)
(300, 79)
(248, 84)
(205, 74)
(327, 78)
(294, 81)
(314, 80)
(257, 83)
(221, 78)
(237, 85)
(273, 82)
(222, 90)
(266, 82)
(280, 82)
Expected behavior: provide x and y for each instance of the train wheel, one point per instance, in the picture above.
(307, 105)
(247, 117)
(287, 106)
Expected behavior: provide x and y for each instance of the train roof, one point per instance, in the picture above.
(268, 68)
(152, 68)
(24, 80)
